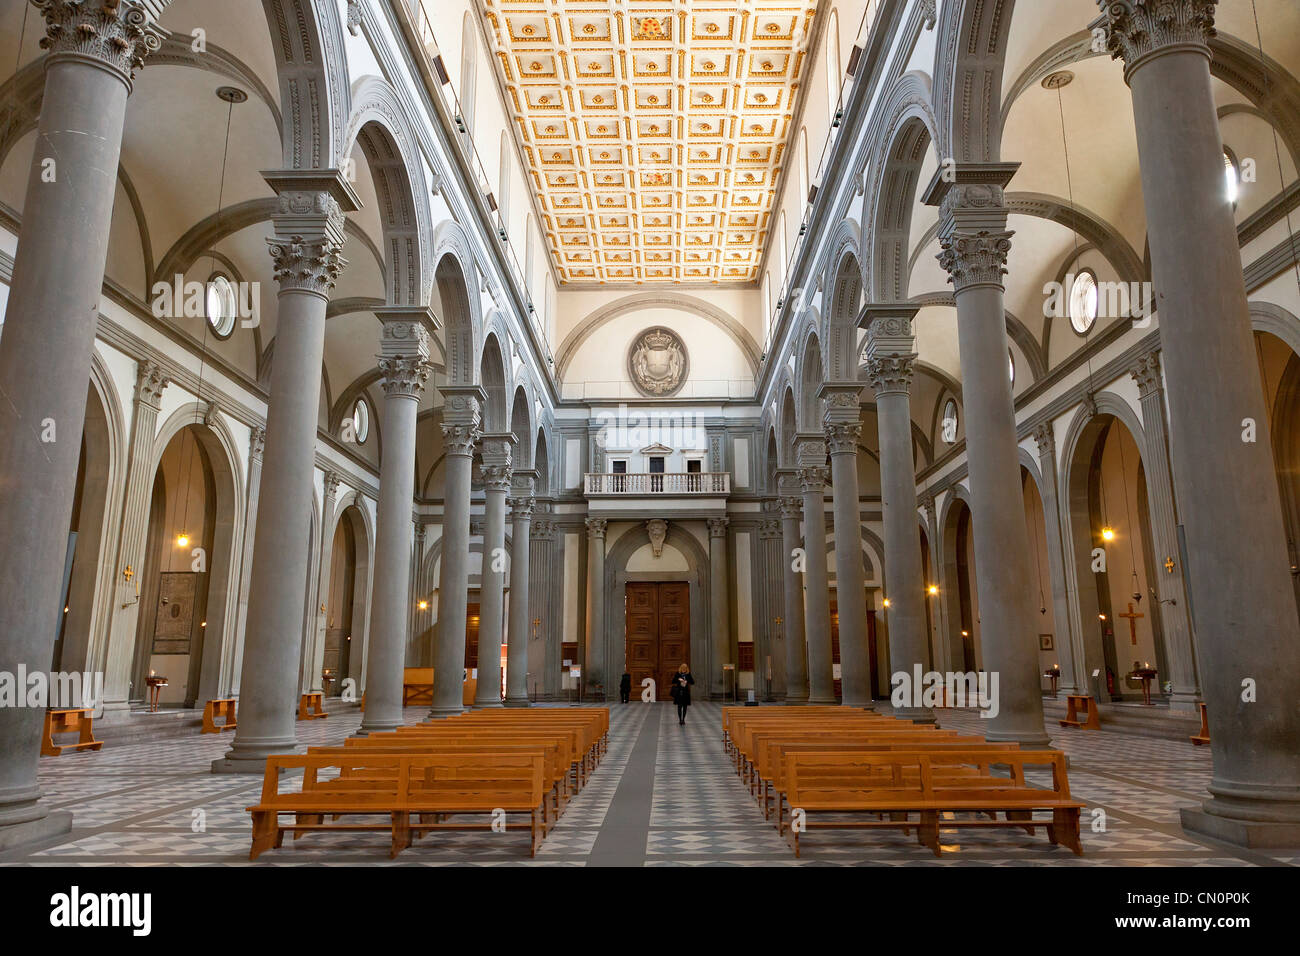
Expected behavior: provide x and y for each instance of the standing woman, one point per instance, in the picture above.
(682, 692)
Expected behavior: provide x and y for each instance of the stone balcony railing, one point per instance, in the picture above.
(678, 483)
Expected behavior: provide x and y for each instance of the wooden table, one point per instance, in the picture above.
(1146, 675)
(156, 684)
(1054, 675)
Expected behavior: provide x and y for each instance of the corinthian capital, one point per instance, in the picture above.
(404, 377)
(975, 259)
(1146, 372)
(458, 438)
(842, 437)
(718, 527)
(813, 478)
(891, 374)
(1138, 29)
(596, 528)
(118, 34)
(496, 478)
(150, 381)
(791, 507)
(301, 264)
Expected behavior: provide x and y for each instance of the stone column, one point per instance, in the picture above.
(594, 663)
(719, 605)
(810, 452)
(496, 482)
(843, 426)
(520, 625)
(974, 238)
(796, 646)
(1175, 620)
(460, 430)
(891, 357)
(45, 359)
(1223, 468)
(124, 621)
(404, 363)
(306, 252)
(314, 679)
(1074, 676)
(256, 447)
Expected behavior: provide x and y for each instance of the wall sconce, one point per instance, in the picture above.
(932, 590)
(1107, 534)
(182, 540)
(423, 605)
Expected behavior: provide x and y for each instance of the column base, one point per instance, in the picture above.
(518, 702)
(795, 701)
(437, 713)
(1252, 834)
(1184, 702)
(479, 704)
(822, 701)
(32, 832)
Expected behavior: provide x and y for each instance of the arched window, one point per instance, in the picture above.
(359, 421)
(468, 73)
(1232, 177)
(221, 306)
(948, 425)
(1083, 302)
(1011, 366)
(831, 44)
(503, 182)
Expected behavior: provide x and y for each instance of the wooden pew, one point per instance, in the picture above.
(1204, 736)
(223, 707)
(430, 786)
(1075, 702)
(417, 686)
(901, 784)
(312, 706)
(75, 721)
(553, 768)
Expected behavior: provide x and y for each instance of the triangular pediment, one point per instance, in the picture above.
(656, 449)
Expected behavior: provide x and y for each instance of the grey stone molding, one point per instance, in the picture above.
(1139, 29)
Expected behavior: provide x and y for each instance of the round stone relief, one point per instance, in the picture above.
(657, 362)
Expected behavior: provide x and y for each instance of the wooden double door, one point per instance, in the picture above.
(658, 632)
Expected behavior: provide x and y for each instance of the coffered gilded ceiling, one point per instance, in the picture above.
(654, 132)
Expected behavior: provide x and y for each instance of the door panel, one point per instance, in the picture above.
(658, 638)
(642, 632)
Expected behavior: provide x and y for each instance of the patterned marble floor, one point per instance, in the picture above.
(663, 795)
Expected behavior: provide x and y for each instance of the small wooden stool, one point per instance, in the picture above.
(1204, 736)
(68, 722)
(311, 706)
(1087, 702)
(220, 707)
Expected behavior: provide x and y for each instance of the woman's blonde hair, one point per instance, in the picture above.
(684, 669)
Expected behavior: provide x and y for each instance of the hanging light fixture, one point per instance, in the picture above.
(230, 96)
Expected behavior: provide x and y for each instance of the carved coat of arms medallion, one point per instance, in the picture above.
(657, 363)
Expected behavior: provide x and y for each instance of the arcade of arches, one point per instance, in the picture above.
(455, 354)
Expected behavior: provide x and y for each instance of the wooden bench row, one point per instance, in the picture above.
(842, 768)
(437, 776)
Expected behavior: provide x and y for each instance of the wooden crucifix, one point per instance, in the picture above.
(1132, 622)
